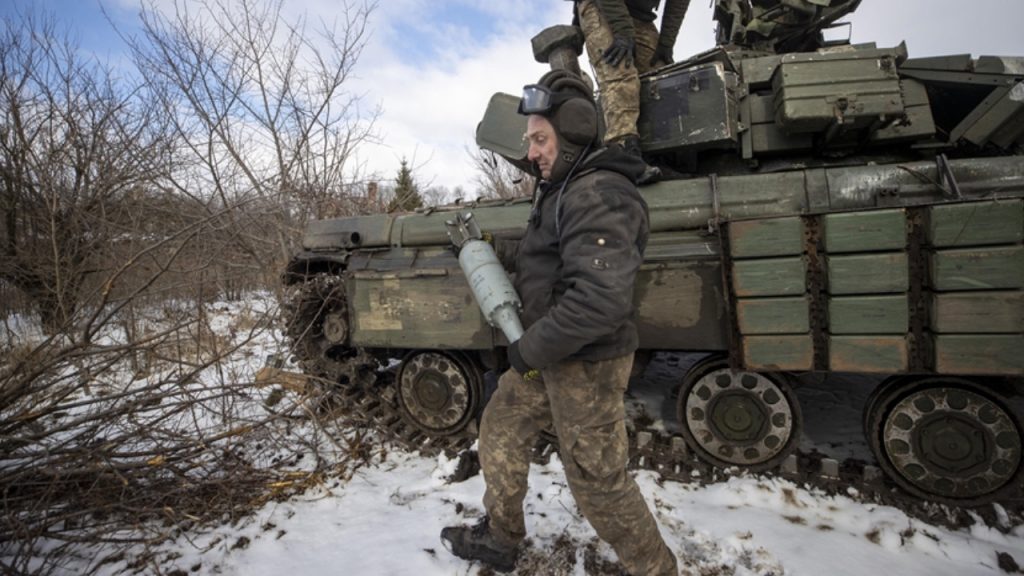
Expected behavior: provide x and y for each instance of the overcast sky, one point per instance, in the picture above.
(433, 64)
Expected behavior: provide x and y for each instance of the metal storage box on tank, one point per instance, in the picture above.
(853, 89)
(689, 108)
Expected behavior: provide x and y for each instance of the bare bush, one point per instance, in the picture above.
(126, 210)
(74, 142)
(98, 459)
(497, 178)
(261, 106)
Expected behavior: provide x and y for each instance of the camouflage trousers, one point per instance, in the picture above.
(620, 85)
(583, 402)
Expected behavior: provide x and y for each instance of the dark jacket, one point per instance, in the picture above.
(578, 261)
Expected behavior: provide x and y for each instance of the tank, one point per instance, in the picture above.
(825, 208)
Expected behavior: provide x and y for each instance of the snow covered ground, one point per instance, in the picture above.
(384, 518)
(386, 521)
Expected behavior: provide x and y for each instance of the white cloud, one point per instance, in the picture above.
(431, 109)
(938, 27)
(433, 100)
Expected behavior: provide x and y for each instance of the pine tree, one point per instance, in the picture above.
(407, 194)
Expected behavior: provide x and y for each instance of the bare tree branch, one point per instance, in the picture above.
(497, 178)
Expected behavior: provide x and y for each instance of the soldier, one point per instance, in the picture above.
(622, 43)
(575, 271)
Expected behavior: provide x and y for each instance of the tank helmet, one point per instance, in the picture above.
(568, 103)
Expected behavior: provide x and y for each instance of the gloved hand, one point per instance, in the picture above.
(622, 48)
(516, 359)
(662, 55)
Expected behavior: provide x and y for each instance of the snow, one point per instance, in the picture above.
(384, 517)
(386, 521)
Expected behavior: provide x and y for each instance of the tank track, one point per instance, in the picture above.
(359, 393)
(373, 405)
(669, 456)
(376, 406)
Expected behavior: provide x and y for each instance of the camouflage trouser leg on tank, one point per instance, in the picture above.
(583, 400)
(619, 85)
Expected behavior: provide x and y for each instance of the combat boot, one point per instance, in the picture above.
(478, 543)
(631, 145)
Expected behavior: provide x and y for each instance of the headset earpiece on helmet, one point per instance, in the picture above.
(576, 121)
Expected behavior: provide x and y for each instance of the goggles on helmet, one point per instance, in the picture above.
(539, 99)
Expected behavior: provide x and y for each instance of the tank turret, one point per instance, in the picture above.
(775, 95)
(778, 26)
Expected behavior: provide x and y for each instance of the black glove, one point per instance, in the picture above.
(621, 49)
(662, 55)
(516, 359)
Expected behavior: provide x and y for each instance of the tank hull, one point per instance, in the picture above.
(729, 267)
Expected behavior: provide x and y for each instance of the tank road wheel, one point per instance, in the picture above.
(738, 418)
(946, 439)
(881, 394)
(438, 392)
(317, 326)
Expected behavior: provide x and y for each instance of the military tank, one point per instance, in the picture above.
(825, 208)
